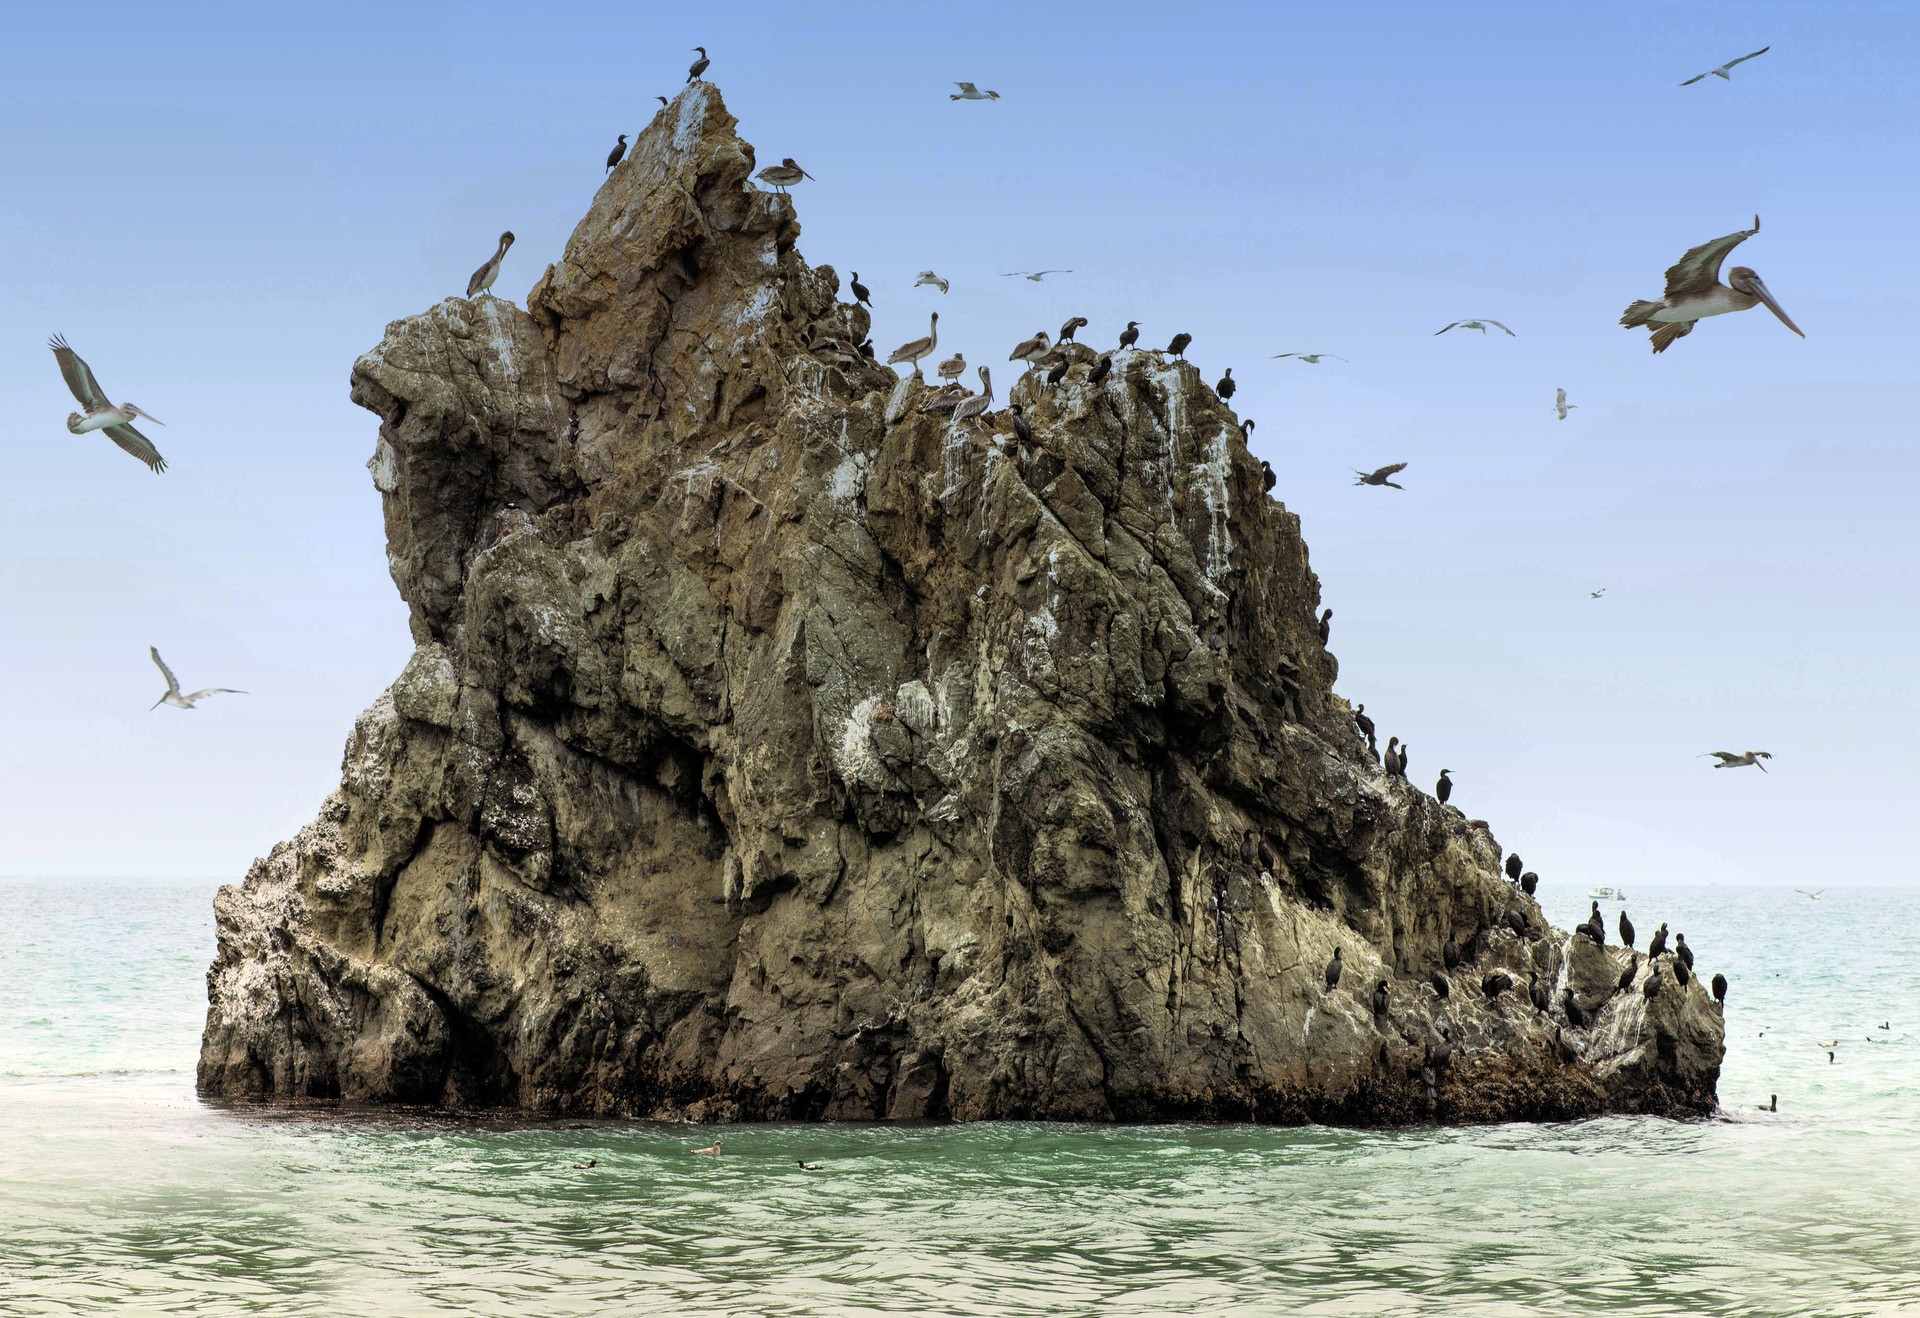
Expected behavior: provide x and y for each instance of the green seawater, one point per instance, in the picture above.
(121, 1192)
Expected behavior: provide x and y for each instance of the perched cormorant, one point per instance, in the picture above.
(1439, 1054)
(1568, 1053)
(1495, 984)
(1659, 943)
(1652, 987)
(1130, 335)
(1226, 386)
(661, 99)
(860, 293)
(1099, 371)
(1059, 371)
(1513, 867)
(1626, 929)
(1444, 788)
(1772, 1104)
(619, 150)
(1441, 985)
(1249, 848)
(1074, 323)
(1576, 1015)
(1517, 922)
(1179, 345)
(1391, 761)
(1333, 970)
(1450, 952)
(1680, 972)
(1269, 858)
(1403, 761)
(1626, 976)
(1681, 950)
(1267, 479)
(699, 65)
(1021, 430)
(1362, 722)
(1536, 992)
(1720, 989)
(1380, 999)
(1596, 927)
(1528, 882)
(1326, 626)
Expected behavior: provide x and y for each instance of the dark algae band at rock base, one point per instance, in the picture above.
(772, 748)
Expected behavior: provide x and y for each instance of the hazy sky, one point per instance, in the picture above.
(222, 206)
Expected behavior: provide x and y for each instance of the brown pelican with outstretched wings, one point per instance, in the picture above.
(1694, 291)
(117, 422)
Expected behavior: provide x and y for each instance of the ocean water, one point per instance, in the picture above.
(121, 1192)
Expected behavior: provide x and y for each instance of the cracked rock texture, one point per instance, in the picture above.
(772, 749)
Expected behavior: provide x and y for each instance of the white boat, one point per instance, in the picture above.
(1608, 895)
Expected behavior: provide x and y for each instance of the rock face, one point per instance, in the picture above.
(772, 749)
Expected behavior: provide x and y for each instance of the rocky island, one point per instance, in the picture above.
(774, 749)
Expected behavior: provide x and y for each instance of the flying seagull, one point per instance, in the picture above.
(1729, 760)
(173, 696)
(100, 414)
(1694, 290)
(1035, 275)
(1561, 405)
(1596, 594)
(1815, 894)
(1379, 477)
(969, 92)
(928, 277)
(1721, 72)
(1480, 325)
(1310, 358)
(783, 175)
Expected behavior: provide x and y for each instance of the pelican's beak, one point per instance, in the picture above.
(148, 415)
(1760, 291)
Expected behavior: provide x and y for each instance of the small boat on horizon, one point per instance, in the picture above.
(1608, 895)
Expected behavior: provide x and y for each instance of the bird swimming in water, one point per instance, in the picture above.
(1682, 951)
(1225, 385)
(1561, 405)
(1694, 291)
(783, 175)
(1035, 276)
(860, 292)
(1310, 358)
(1333, 970)
(1830, 1059)
(710, 1149)
(1380, 999)
(1130, 335)
(173, 696)
(1728, 760)
(482, 281)
(1444, 788)
(1067, 330)
(1772, 1104)
(1514, 866)
(1440, 983)
(1480, 325)
(1626, 930)
(619, 150)
(1659, 943)
(582, 1166)
(1178, 347)
(1380, 477)
(979, 403)
(1724, 70)
(1365, 724)
(115, 422)
(806, 1166)
(1528, 882)
(1450, 952)
(699, 67)
(914, 351)
(952, 368)
(969, 92)
(1495, 984)
(1576, 1016)
(931, 279)
(1326, 626)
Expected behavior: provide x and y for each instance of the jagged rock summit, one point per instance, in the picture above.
(773, 749)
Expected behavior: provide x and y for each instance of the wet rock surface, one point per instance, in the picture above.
(772, 749)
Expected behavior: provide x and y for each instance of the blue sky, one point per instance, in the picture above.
(228, 214)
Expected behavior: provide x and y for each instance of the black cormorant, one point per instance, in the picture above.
(1179, 345)
(1326, 626)
(1450, 952)
(1652, 987)
(700, 65)
(1680, 972)
(1659, 943)
(619, 150)
(1681, 950)
(1441, 985)
(1517, 922)
(1514, 867)
(1365, 725)
(1267, 479)
(1772, 1104)
(1568, 1053)
(1626, 976)
(1099, 371)
(1130, 335)
(1444, 788)
(1066, 330)
(1626, 929)
(1536, 992)
(1333, 970)
(1720, 989)
(1576, 1015)
(1226, 386)
(1059, 371)
(1495, 984)
(1249, 848)
(1022, 431)
(1380, 999)
(860, 293)
(1528, 882)
(806, 1166)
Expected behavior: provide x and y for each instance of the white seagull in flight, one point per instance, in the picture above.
(928, 277)
(1310, 358)
(1035, 275)
(1561, 405)
(173, 696)
(1480, 325)
(969, 92)
(1815, 894)
(1721, 72)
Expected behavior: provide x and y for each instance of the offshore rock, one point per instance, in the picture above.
(774, 750)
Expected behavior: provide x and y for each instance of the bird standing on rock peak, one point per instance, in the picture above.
(1391, 761)
(619, 150)
(1099, 371)
(1031, 350)
(1528, 882)
(482, 281)
(953, 367)
(1074, 323)
(783, 175)
(914, 351)
(1326, 626)
(979, 403)
(1130, 335)
(1626, 930)
(1226, 386)
(1659, 943)
(1178, 347)
(1365, 724)
(1444, 788)
(1267, 477)
(860, 292)
(1720, 989)
(699, 66)
(1514, 866)
(1682, 951)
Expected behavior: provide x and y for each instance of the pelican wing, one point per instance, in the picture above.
(1699, 270)
(1029, 346)
(173, 683)
(79, 376)
(215, 691)
(137, 444)
(1385, 472)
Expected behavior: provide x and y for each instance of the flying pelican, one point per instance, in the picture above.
(1815, 894)
(482, 281)
(1596, 594)
(699, 67)
(969, 92)
(1310, 358)
(783, 175)
(1035, 275)
(1032, 350)
(972, 407)
(1721, 72)
(913, 352)
(173, 696)
(1728, 760)
(1480, 325)
(100, 414)
(928, 277)
(953, 367)
(1561, 405)
(1379, 477)
(1694, 290)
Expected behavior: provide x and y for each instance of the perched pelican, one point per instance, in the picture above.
(953, 367)
(1380, 477)
(783, 175)
(1178, 347)
(100, 414)
(1694, 290)
(1561, 405)
(1226, 386)
(1130, 335)
(482, 281)
(715, 1146)
(1035, 275)
(1032, 350)
(1480, 325)
(928, 277)
(1721, 72)
(969, 92)
(944, 402)
(1728, 760)
(860, 293)
(1596, 594)
(173, 696)
(913, 352)
(979, 403)
(619, 150)
(1815, 895)
(1310, 358)
(1066, 330)
(699, 67)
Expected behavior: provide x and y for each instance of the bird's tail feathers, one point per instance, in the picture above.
(1664, 335)
(1637, 312)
